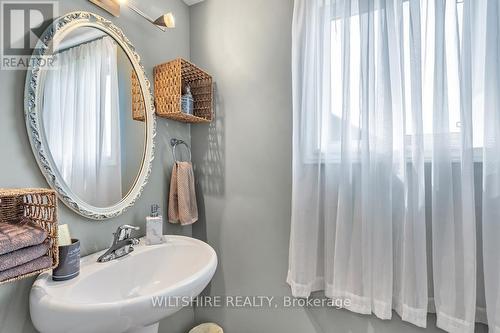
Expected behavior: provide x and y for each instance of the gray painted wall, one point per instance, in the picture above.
(243, 165)
(18, 167)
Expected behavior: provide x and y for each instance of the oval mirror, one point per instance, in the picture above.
(90, 115)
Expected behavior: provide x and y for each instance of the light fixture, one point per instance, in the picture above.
(163, 22)
(113, 7)
(166, 20)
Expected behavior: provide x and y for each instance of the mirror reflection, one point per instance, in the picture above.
(93, 117)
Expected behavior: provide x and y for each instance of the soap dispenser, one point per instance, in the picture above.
(154, 226)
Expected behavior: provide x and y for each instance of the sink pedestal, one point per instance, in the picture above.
(150, 329)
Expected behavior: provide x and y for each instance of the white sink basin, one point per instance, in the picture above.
(118, 296)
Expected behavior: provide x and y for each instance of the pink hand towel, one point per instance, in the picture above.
(182, 207)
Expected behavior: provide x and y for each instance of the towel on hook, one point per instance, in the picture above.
(182, 207)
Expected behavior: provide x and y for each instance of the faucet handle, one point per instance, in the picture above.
(123, 231)
(127, 226)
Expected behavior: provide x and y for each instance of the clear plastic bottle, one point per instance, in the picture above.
(187, 101)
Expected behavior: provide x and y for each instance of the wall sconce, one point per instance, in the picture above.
(163, 22)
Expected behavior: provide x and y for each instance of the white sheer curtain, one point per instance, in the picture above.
(81, 117)
(379, 88)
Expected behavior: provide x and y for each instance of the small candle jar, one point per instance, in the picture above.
(69, 262)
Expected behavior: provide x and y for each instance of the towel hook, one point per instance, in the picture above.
(174, 142)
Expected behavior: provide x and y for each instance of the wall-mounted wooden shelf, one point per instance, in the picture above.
(170, 80)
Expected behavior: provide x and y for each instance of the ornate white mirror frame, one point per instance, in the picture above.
(33, 113)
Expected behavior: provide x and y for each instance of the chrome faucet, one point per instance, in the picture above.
(122, 244)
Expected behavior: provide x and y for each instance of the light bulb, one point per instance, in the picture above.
(169, 20)
(166, 20)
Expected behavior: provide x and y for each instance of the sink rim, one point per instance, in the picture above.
(40, 290)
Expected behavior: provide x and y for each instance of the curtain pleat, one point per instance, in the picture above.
(491, 161)
(453, 217)
(410, 293)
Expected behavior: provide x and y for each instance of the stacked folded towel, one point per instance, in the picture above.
(23, 249)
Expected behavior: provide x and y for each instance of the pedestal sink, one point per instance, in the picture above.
(130, 294)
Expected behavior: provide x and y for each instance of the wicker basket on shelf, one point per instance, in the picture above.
(138, 106)
(40, 206)
(170, 81)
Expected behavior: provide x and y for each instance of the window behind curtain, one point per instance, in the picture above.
(332, 144)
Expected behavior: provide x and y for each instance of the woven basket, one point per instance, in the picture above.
(40, 206)
(138, 106)
(170, 80)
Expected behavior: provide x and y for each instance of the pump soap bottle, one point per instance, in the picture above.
(154, 226)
